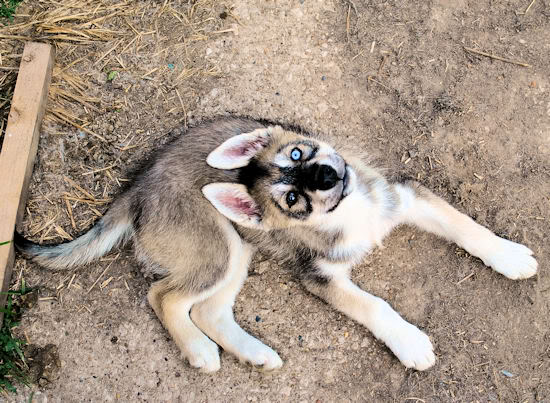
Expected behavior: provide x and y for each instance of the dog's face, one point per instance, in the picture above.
(285, 179)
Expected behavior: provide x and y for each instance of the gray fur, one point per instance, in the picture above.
(176, 213)
(174, 229)
(112, 229)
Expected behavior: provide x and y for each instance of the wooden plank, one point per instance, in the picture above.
(19, 147)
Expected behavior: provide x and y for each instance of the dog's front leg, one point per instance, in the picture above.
(410, 345)
(420, 207)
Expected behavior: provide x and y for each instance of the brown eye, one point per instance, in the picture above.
(291, 198)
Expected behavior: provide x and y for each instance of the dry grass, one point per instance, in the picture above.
(124, 70)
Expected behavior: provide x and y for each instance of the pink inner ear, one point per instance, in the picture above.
(239, 204)
(247, 148)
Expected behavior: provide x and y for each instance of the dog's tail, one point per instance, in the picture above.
(115, 227)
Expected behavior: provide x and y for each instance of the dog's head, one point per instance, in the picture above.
(285, 179)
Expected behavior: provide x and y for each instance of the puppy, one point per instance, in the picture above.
(230, 187)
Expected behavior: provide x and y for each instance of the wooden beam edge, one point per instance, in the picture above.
(20, 147)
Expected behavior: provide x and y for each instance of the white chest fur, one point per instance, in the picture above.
(363, 224)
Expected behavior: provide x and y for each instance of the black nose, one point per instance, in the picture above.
(324, 177)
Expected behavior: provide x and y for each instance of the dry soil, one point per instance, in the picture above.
(392, 76)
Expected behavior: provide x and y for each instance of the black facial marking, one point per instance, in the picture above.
(251, 173)
(334, 207)
(313, 153)
(306, 143)
(299, 215)
(290, 175)
(309, 208)
(298, 176)
(313, 177)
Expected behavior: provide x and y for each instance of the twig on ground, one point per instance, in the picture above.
(502, 59)
(101, 275)
(369, 78)
(465, 278)
(183, 108)
(347, 22)
(350, 2)
(528, 8)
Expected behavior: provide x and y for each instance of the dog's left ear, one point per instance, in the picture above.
(237, 151)
(233, 201)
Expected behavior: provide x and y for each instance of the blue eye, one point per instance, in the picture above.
(296, 154)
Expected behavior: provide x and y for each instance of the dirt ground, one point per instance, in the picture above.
(392, 76)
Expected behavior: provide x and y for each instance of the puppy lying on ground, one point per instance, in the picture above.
(227, 188)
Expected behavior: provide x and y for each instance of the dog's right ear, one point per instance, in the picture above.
(233, 201)
(237, 151)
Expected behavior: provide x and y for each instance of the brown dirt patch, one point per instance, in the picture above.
(391, 76)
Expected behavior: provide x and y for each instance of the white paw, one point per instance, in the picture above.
(410, 345)
(511, 259)
(203, 354)
(254, 352)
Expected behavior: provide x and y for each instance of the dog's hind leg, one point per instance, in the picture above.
(172, 308)
(214, 316)
(420, 207)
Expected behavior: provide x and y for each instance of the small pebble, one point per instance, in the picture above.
(506, 373)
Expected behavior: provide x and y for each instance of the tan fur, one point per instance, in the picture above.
(196, 224)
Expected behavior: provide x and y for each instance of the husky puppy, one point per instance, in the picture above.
(227, 188)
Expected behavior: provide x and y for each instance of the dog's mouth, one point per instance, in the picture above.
(346, 189)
